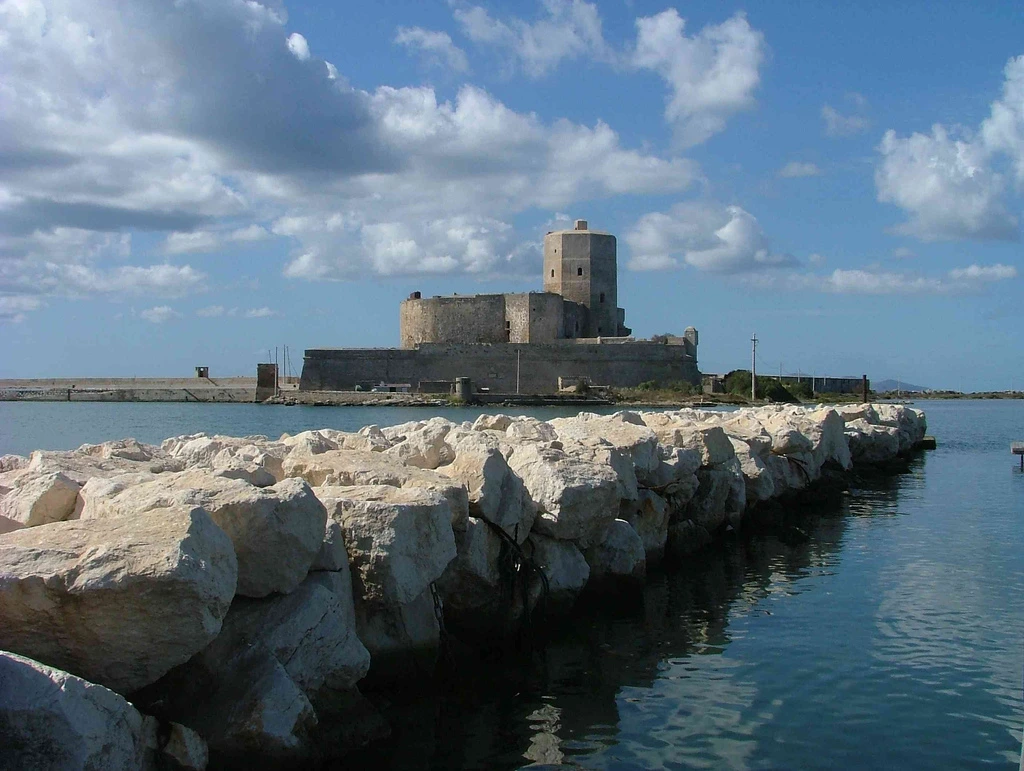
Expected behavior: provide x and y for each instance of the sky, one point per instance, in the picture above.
(198, 182)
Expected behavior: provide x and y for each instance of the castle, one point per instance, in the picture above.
(535, 342)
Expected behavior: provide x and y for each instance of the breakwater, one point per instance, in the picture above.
(133, 389)
(275, 579)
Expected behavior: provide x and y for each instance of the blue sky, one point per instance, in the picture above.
(199, 182)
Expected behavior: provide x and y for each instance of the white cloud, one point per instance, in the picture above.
(159, 314)
(795, 169)
(14, 307)
(712, 74)
(208, 240)
(709, 237)
(839, 125)
(130, 131)
(569, 29)
(437, 47)
(260, 313)
(971, 279)
(1003, 130)
(903, 253)
(211, 311)
(946, 185)
(298, 46)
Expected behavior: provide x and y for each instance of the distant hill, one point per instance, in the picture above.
(892, 385)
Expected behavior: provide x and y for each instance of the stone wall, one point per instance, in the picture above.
(495, 366)
(470, 319)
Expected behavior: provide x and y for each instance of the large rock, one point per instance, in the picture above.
(495, 492)
(872, 444)
(620, 554)
(37, 499)
(403, 640)
(100, 461)
(422, 445)
(637, 442)
(760, 486)
(649, 517)
(50, 719)
(347, 468)
(710, 442)
(399, 540)
(276, 531)
(564, 566)
(118, 601)
(576, 498)
(311, 632)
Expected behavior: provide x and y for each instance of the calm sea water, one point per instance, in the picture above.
(892, 638)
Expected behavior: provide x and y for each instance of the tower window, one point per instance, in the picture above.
(602, 296)
(552, 274)
(579, 271)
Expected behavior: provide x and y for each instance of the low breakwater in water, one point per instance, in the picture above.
(235, 597)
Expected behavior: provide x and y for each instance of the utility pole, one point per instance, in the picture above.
(753, 367)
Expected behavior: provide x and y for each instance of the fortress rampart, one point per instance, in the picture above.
(495, 366)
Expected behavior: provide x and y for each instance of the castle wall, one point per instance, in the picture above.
(468, 319)
(494, 366)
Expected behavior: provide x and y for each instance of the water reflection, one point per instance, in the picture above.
(641, 684)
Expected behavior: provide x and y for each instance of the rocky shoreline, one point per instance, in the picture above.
(233, 597)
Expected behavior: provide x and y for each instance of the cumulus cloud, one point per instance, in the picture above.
(569, 29)
(208, 240)
(947, 186)
(14, 307)
(970, 279)
(261, 313)
(436, 47)
(160, 314)
(795, 169)
(712, 75)
(211, 312)
(953, 183)
(130, 132)
(709, 237)
(298, 46)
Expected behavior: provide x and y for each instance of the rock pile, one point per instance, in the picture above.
(230, 594)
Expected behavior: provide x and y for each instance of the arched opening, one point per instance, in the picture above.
(579, 271)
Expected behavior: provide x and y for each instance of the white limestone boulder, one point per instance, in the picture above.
(399, 540)
(576, 499)
(472, 582)
(523, 428)
(620, 554)
(348, 468)
(311, 632)
(13, 463)
(492, 423)
(403, 640)
(307, 443)
(757, 477)
(83, 466)
(276, 531)
(37, 499)
(710, 442)
(367, 439)
(424, 445)
(118, 601)
(791, 473)
(872, 443)
(564, 566)
(649, 517)
(637, 442)
(50, 719)
(495, 492)
(94, 493)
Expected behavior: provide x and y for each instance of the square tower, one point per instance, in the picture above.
(580, 265)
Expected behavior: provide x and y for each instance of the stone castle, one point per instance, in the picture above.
(535, 342)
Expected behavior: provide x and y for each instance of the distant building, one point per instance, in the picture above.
(531, 342)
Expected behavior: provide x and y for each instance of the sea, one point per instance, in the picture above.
(881, 629)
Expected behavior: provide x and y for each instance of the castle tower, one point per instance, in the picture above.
(580, 265)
